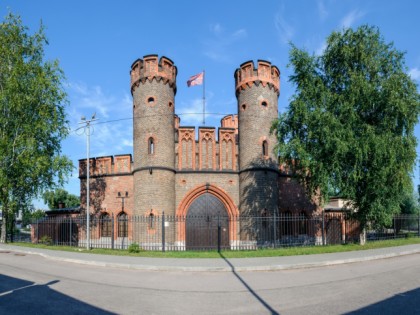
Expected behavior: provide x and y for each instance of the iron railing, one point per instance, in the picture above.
(174, 233)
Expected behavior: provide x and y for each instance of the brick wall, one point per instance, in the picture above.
(230, 158)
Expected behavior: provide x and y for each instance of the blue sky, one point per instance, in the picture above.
(97, 41)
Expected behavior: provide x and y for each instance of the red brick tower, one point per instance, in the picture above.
(257, 92)
(153, 87)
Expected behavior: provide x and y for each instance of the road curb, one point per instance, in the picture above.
(200, 268)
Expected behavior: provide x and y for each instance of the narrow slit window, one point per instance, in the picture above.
(151, 146)
(265, 148)
(151, 221)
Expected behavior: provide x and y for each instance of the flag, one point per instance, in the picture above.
(196, 79)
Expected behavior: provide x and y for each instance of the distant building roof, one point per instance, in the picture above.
(63, 210)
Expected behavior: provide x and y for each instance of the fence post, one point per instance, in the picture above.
(395, 227)
(219, 233)
(71, 233)
(37, 231)
(274, 229)
(323, 227)
(112, 231)
(163, 231)
(419, 226)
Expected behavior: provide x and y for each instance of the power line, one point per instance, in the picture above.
(149, 116)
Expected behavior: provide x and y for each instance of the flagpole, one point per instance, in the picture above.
(204, 97)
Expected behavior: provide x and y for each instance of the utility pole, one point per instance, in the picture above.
(86, 127)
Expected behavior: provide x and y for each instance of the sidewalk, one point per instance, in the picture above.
(218, 264)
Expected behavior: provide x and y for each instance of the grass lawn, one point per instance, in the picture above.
(271, 252)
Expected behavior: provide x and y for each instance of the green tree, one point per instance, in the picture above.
(38, 214)
(350, 125)
(410, 204)
(32, 119)
(53, 198)
(30, 214)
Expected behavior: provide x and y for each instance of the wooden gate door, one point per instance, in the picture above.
(204, 216)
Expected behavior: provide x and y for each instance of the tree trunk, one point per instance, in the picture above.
(3, 236)
(5, 215)
(362, 237)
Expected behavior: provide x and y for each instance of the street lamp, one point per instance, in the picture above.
(86, 127)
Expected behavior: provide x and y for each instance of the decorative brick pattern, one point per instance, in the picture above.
(236, 163)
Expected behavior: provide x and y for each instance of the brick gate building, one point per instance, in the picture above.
(179, 170)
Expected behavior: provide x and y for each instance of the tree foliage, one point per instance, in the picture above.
(30, 214)
(32, 117)
(350, 125)
(54, 197)
(410, 204)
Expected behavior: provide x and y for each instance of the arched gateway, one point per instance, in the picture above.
(206, 221)
(205, 208)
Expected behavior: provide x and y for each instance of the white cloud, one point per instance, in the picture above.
(351, 18)
(218, 47)
(414, 73)
(112, 133)
(239, 34)
(321, 48)
(90, 98)
(284, 29)
(191, 113)
(322, 11)
(127, 142)
(216, 28)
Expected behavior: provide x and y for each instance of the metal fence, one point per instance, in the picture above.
(175, 233)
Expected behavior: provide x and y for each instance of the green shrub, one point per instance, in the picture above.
(46, 240)
(134, 248)
(410, 235)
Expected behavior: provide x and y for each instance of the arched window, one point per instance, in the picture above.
(151, 146)
(151, 221)
(105, 223)
(265, 148)
(122, 225)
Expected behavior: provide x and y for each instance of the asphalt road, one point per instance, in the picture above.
(31, 284)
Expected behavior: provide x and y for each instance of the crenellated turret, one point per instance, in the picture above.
(153, 86)
(246, 76)
(257, 91)
(149, 68)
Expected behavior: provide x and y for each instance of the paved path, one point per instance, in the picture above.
(50, 282)
(218, 264)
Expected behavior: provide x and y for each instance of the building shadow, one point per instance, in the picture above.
(260, 188)
(402, 303)
(259, 202)
(250, 290)
(19, 296)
